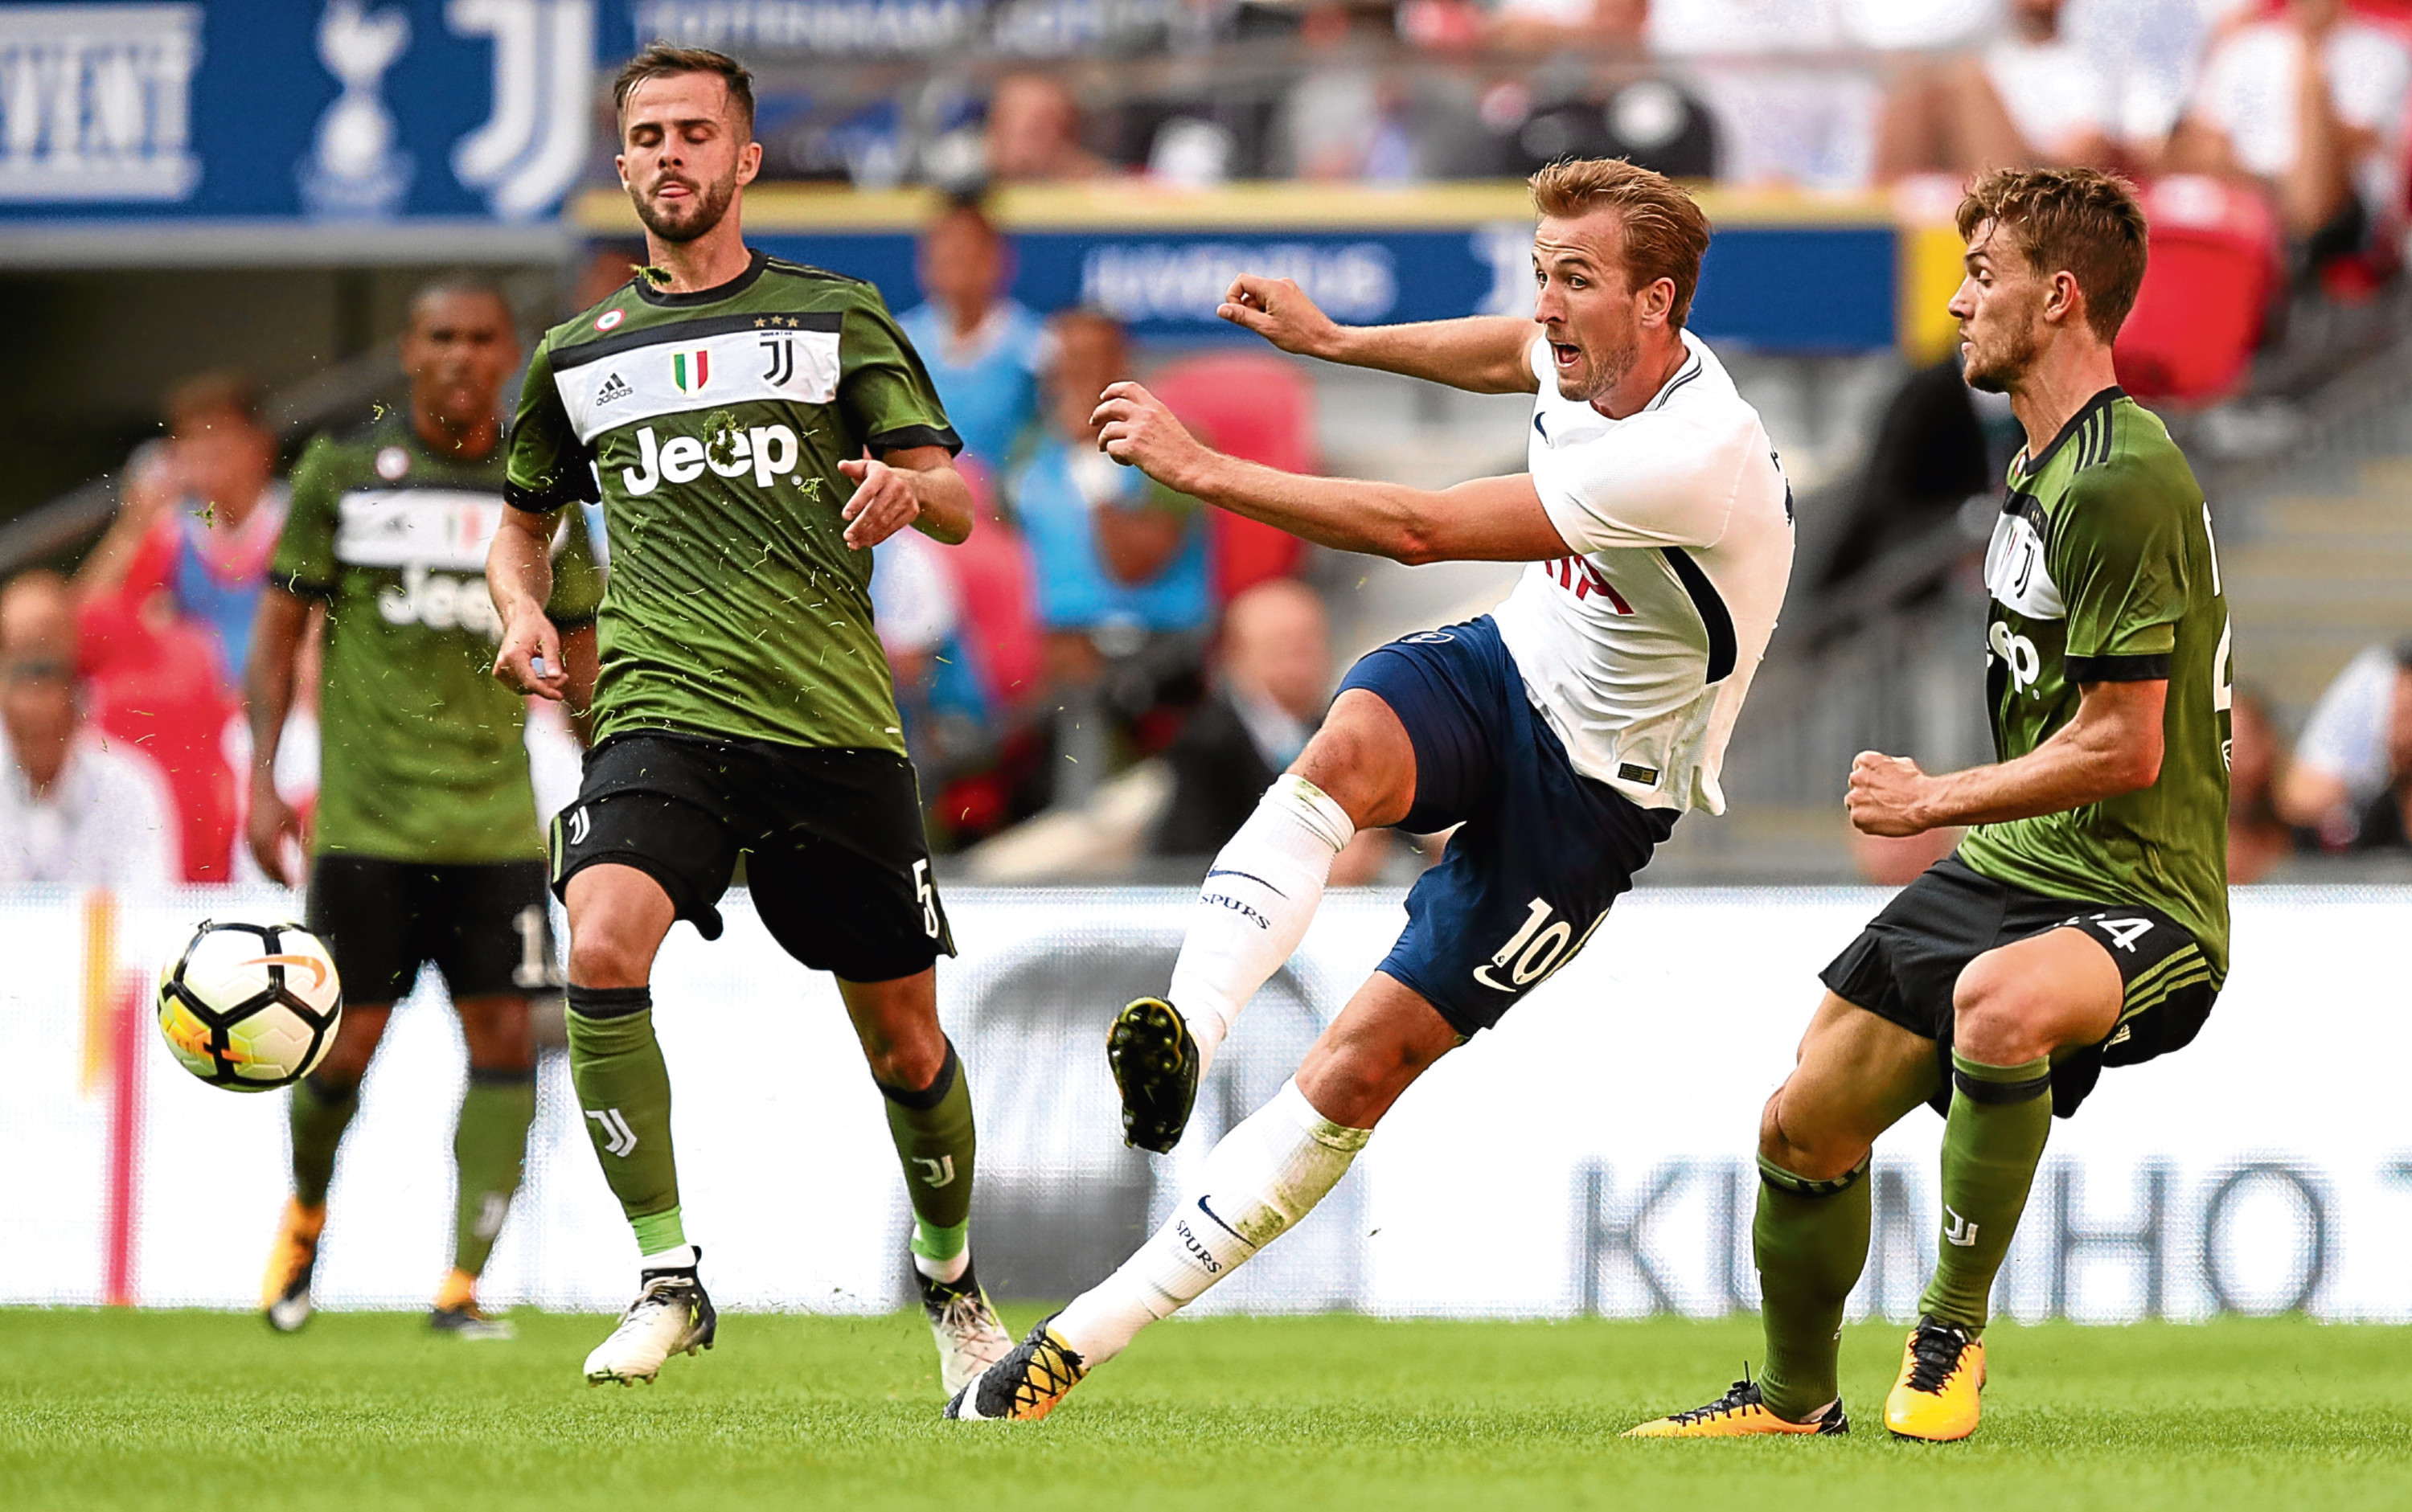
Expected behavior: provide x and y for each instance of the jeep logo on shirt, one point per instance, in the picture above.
(767, 451)
(440, 602)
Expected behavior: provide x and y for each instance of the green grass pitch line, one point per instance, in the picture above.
(368, 1411)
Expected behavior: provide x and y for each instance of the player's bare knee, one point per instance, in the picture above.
(1349, 1081)
(1801, 1149)
(601, 957)
(909, 1063)
(1996, 1017)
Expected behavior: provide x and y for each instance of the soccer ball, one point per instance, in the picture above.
(250, 1007)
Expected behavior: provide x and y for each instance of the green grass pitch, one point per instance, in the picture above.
(368, 1411)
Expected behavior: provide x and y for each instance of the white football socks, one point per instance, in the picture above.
(678, 1258)
(948, 1270)
(1255, 907)
(1268, 1173)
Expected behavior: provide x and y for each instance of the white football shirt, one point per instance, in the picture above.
(1639, 645)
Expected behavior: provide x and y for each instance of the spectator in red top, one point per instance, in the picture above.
(167, 600)
(201, 518)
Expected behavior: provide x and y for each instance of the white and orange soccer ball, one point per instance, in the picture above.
(250, 1007)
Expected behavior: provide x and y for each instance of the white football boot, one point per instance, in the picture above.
(970, 1338)
(671, 1315)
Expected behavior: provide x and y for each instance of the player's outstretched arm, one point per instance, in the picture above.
(277, 628)
(519, 578)
(2111, 747)
(1484, 354)
(914, 486)
(1488, 520)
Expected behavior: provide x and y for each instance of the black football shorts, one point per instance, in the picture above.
(486, 926)
(835, 855)
(1905, 966)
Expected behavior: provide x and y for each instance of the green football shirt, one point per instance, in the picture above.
(712, 424)
(422, 751)
(2102, 569)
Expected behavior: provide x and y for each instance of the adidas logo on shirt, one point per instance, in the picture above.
(614, 388)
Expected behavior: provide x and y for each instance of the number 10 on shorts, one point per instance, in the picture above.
(1537, 948)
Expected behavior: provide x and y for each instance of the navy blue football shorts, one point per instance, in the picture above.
(1541, 851)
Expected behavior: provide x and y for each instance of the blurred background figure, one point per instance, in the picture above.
(2352, 766)
(1271, 689)
(2033, 96)
(2257, 835)
(1122, 564)
(74, 808)
(2310, 104)
(982, 347)
(201, 516)
(1034, 132)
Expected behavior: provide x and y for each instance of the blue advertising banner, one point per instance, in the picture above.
(335, 112)
(1794, 288)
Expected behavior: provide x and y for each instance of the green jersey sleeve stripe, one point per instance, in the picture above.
(2148, 668)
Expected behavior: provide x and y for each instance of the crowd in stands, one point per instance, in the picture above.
(1075, 632)
(1093, 620)
(2300, 102)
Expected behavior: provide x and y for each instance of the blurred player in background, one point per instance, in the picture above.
(727, 402)
(1565, 732)
(425, 846)
(2083, 921)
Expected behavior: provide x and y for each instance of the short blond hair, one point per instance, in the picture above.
(1665, 232)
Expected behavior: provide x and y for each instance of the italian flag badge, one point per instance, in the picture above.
(692, 369)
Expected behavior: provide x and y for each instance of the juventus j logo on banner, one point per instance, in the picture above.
(532, 148)
(618, 1139)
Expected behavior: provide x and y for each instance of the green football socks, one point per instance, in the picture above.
(936, 1143)
(489, 1153)
(318, 1115)
(1992, 1142)
(1811, 1240)
(624, 1090)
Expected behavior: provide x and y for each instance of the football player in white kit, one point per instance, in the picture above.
(1564, 733)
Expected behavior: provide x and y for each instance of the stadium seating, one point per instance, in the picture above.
(1256, 407)
(2198, 316)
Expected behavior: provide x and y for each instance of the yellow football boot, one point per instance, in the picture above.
(1740, 1413)
(456, 1311)
(1025, 1384)
(1942, 1371)
(285, 1291)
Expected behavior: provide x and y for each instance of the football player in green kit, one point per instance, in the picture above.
(2083, 921)
(754, 427)
(425, 846)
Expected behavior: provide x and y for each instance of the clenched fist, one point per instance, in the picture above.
(1885, 795)
(1134, 427)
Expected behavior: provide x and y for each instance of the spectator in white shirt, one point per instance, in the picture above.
(2311, 104)
(72, 810)
(2033, 97)
(2353, 764)
(1785, 117)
